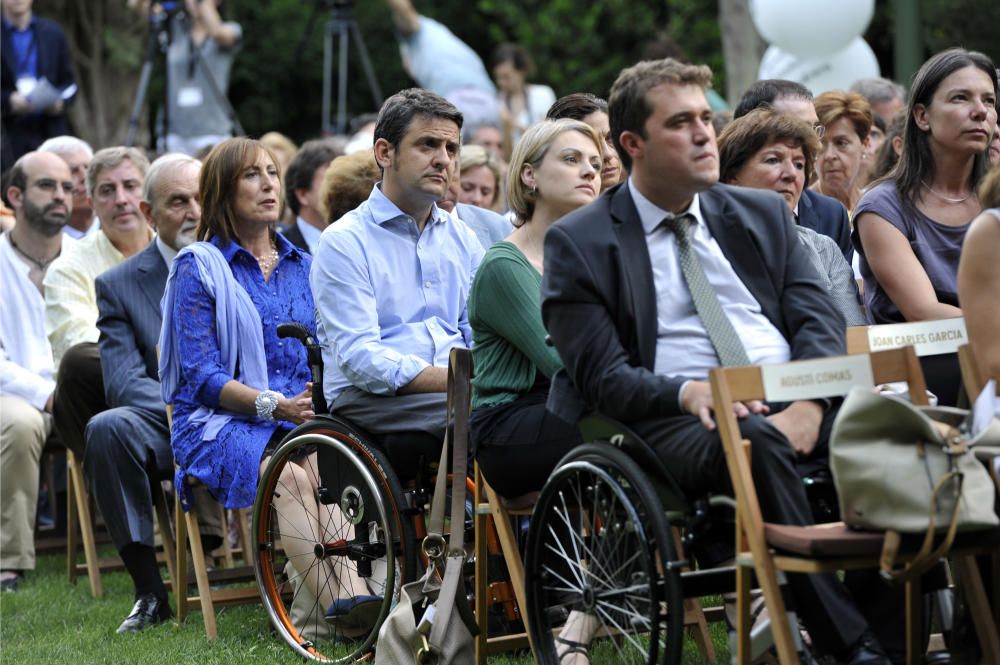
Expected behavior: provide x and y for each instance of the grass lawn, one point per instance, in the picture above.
(49, 621)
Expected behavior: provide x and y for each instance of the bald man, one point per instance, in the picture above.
(41, 193)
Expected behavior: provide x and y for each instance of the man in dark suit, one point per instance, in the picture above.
(659, 273)
(303, 183)
(128, 446)
(820, 213)
(33, 49)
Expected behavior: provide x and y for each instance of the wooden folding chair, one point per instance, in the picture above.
(501, 530)
(189, 540)
(828, 547)
(80, 530)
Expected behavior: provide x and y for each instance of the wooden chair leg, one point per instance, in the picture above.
(979, 608)
(481, 570)
(201, 575)
(82, 500)
(72, 527)
(511, 554)
(181, 581)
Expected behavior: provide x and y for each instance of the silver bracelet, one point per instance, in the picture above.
(266, 402)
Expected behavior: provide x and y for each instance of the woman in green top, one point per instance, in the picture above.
(555, 169)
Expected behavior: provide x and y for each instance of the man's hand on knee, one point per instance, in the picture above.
(696, 399)
(800, 424)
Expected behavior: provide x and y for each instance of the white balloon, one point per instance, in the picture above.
(811, 28)
(835, 72)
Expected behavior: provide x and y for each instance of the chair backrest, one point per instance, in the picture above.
(820, 378)
(926, 337)
(804, 379)
(972, 378)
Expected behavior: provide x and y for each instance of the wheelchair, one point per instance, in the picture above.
(601, 540)
(366, 535)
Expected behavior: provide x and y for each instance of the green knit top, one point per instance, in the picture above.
(508, 336)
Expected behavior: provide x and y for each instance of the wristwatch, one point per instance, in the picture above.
(266, 402)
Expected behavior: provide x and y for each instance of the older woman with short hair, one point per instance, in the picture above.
(846, 118)
(769, 150)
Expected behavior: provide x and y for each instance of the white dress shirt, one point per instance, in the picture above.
(26, 368)
(683, 347)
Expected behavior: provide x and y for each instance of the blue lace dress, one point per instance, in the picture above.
(229, 465)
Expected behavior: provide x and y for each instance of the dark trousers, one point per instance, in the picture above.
(79, 395)
(128, 449)
(694, 456)
(518, 444)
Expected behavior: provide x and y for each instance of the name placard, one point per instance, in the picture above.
(811, 379)
(927, 337)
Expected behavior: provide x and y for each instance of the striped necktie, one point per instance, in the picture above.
(720, 329)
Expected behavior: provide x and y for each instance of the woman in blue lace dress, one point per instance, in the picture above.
(237, 389)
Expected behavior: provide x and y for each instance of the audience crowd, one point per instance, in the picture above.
(595, 256)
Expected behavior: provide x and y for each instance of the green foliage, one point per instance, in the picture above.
(577, 46)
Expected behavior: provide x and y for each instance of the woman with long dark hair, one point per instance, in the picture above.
(909, 228)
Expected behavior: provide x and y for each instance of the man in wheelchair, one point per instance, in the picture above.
(671, 274)
(391, 279)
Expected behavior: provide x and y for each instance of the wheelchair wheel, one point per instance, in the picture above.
(329, 522)
(599, 543)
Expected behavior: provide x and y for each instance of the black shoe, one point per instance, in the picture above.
(147, 611)
(866, 651)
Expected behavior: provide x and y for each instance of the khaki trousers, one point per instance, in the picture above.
(23, 432)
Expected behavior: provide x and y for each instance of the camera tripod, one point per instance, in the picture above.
(341, 27)
(160, 37)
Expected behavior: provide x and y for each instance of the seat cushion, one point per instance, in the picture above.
(839, 540)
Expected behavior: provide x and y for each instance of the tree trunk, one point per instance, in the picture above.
(742, 47)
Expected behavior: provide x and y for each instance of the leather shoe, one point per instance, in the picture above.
(866, 651)
(147, 611)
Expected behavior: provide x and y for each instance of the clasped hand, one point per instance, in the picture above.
(296, 409)
(799, 422)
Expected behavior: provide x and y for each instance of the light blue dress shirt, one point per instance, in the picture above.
(390, 301)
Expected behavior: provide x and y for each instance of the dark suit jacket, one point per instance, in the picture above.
(26, 132)
(827, 215)
(599, 302)
(128, 298)
(294, 236)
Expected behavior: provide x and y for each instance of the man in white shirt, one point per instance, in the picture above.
(40, 192)
(303, 183)
(77, 154)
(114, 187)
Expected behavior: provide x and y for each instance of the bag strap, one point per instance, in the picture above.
(457, 436)
(925, 557)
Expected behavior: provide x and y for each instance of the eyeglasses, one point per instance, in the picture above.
(819, 129)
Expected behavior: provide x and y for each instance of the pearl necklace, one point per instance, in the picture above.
(943, 197)
(268, 261)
